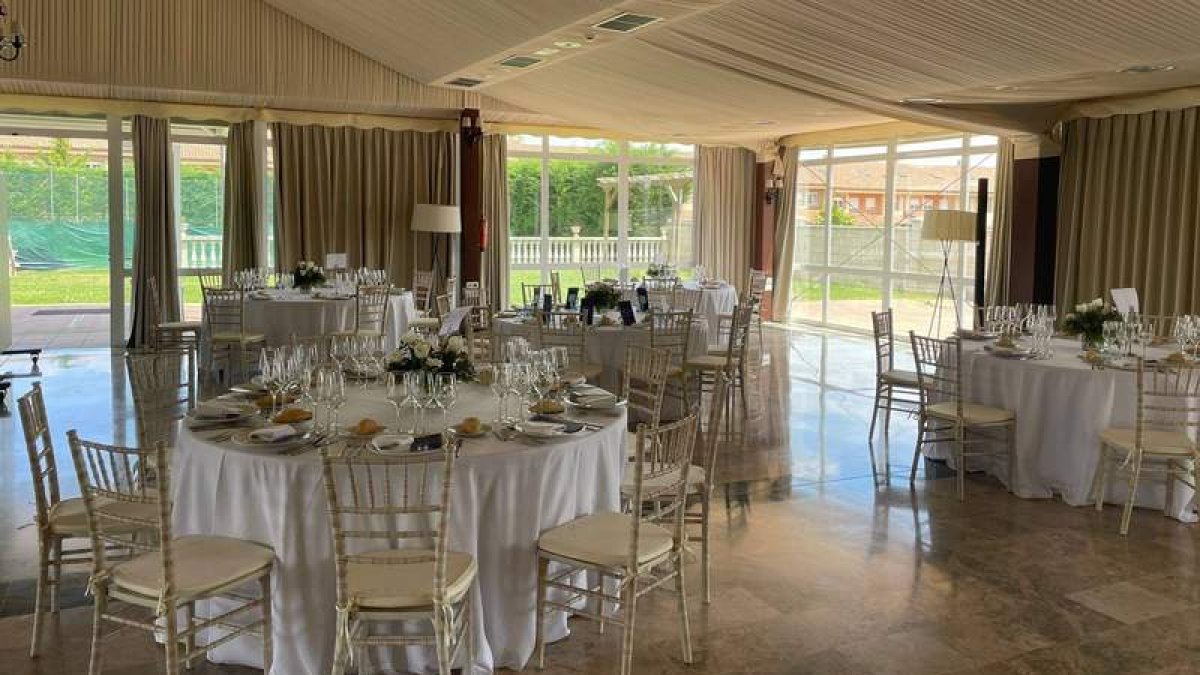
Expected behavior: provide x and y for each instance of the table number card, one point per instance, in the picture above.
(627, 316)
(589, 312)
(643, 299)
(572, 297)
(335, 261)
(453, 321)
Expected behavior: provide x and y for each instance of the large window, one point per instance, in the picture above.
(859, 211)
(199, 176)
(585, 207)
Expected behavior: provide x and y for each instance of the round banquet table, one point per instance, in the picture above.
(280, 314)
(505, 495)
(606, 344)
(714, 302)
(1061, 405)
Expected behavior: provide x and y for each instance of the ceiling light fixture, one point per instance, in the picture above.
(546, 51)
(1143, 69)
(922, 100)
(567, 44)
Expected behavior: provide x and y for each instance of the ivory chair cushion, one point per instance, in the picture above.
(906, 378)
(603, 539)
(1155, 441)
(695, 479)
(234, 337)
(203, 565)
(69, 516)
(707, 362)
(425, 322)
(409, 585)
(973, 413)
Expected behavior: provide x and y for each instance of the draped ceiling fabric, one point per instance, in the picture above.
(495, 209)
(725, 205)
(154, 215)
(785, 235)
(1000, 247)
(350, 190)
(1129, 210)
(243, 212)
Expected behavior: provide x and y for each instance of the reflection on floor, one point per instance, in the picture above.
(818, 570)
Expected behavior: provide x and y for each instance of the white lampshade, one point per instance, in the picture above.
(436, 218)
(948, 225)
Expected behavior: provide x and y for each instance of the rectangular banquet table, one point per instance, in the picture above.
(1061, 405)
(505, 495)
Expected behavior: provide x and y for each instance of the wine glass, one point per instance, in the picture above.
(428, 396)
(337, 396)
(413, 384)
(397, 395)
(499, 386)
(446, 393)
(518, 387)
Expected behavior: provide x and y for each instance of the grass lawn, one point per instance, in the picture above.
(77, 287)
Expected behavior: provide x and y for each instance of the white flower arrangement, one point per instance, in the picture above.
(417, 353)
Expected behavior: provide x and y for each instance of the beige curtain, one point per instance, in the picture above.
(495, 209)
(154, 213)
(242, 205)
(350, 190)
(996, 281)
(785, 235)
(725, 211)
(1129, 210)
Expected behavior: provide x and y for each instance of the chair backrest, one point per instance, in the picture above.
(394, 501)
(660, 283)
(645, 381)
(164, 391)
(474, 294)
(115, 484)
(590, 274)
(371, 308)
(672, 331)
(758, 286)
(40, 446)
(1168, 399)
(938, 373)
(563, 329)
(423, 289)
(687, 299)
(210, 281)
(661, 463)
(556, 287)
(224, 311)
(884, 341)
(739, 335)
(712, 432)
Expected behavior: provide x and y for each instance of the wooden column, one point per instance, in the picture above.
(762, 250)
(470, 195)
(1034, 230)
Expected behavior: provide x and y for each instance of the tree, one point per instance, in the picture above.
(840, 216)
(60, 156)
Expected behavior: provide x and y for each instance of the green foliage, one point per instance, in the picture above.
(840, 216)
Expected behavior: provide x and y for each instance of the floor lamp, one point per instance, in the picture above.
(946, 227)
(436, 219)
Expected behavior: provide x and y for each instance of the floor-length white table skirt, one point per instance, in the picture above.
(292, 313)
(1061, 405)
(714, 302)
(505, 495)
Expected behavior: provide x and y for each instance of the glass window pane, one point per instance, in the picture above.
(524, 143)
(200, 217)
(269, 202)
(913, 302)
(852, 298)
(923, 184)
(651, 149)
(811, 195)
(590, 146)
(807, 290)
(983, 141)
(809, 154)
(583, 216)
(945, 143)
(857, 215)
(859, 150)
(660, 216)
(524, 233)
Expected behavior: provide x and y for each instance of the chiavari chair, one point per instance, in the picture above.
(164, 392)
(732, 361)
(170, 333)
(225, 322)
(373, 499)
(423, 290)
(644, 386)
(564, 329)
(754, 296)
(672, 331)
(430, 324)
(946, 417)
(1162, 442)
(172, 572)
(687, 299)
(371, 304)
(532, 294)
(633, 548)
(894, 389)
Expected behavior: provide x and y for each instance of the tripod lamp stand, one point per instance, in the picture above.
(947, 227)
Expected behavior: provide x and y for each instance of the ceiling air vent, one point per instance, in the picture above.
(466, 82)
(626, 22)
(519, 61)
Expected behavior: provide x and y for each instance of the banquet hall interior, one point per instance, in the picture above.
(599, 336)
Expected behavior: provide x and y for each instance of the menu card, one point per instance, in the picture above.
(627, 316)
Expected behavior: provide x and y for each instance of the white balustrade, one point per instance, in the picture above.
(527, 251)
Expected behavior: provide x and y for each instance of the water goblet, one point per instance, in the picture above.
(447, 394)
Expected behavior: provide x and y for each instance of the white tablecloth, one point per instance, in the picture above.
(288, 313)
(505, 495)
(713, 303)
(606, 344)
(1061, 405)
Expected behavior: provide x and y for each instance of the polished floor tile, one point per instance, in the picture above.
(825, 560)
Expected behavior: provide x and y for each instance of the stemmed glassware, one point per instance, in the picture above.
(518, 387)
(331, 393)
(500, 385)
(445, 394)
(397, 395)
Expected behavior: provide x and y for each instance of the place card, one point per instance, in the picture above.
(572, 297)
(589, 312)
(627, 316)
(643, 299)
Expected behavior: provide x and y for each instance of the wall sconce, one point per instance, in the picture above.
(774, 188)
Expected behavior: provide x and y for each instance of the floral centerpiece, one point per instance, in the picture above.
(657, 271)
(307, 274)
(417, 353)
(602, 295)
(1087, 321)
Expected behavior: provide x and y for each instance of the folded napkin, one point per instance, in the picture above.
(218, 409)
(592, 395)
(272, 434)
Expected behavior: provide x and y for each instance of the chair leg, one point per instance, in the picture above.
(1170, 489)
(1012, 459)
(56, 578)
(442, 640)
(887, 412)
(39, 598)
(1100, 482)
(171, 639)
(539, 616)
(961, 460)
(705, 553)
(264, 584)
(603, 600)
(875, 414)
(1134, 476)
(468, 636)
(630, 606)
(189, 641)
(99, 607)
(912, 474)
(341, 653)
(685, 629)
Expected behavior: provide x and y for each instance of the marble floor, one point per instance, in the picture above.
(818, 567)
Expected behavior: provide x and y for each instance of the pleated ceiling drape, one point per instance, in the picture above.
(154, 242)
(1129, 210)
(495, 209)
(725, 211)
(350, 190)
(240, 240)
(1000, 247)
(785, 235)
